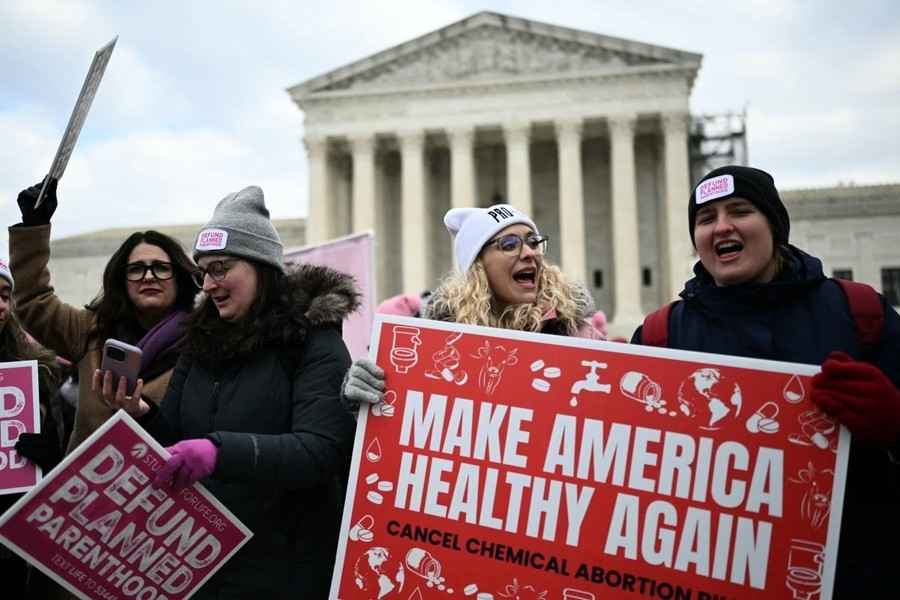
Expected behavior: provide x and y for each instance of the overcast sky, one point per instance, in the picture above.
(194, 106)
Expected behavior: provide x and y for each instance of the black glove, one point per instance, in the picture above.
(40, 448)
(41, 215)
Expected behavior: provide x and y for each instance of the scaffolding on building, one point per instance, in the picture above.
(716, 140)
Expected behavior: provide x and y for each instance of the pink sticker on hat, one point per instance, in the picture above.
(212, 239)
(717, 187)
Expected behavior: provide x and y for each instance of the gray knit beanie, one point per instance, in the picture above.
(6, 274)
(240, 226)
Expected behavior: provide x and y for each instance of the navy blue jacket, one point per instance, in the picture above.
(801, 316)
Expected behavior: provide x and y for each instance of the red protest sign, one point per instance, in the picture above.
(97, 526)
(508, 465)
(19, 413)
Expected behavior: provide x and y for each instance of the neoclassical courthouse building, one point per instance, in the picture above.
(586, 132)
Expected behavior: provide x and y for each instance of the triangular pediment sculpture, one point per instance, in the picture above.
(492, 47)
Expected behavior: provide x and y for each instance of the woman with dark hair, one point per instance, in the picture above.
(253, 408)
(754, 294)
(46, 453)
(147, 291)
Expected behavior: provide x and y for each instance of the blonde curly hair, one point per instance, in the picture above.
(467, 298)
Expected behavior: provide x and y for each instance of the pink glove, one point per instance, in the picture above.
(191, 461)
(860, 397)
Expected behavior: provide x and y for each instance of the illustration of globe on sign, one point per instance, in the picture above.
(378, 574)
(710, 397)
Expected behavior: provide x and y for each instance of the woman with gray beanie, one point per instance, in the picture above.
(253, 410)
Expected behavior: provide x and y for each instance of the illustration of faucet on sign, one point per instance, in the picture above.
(591, 381)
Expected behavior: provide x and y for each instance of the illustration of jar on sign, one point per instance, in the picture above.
(403, 348)
(423, 564)
(641, 388)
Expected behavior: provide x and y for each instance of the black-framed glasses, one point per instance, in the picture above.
(137, 270)
(511, 243)
(217, 269)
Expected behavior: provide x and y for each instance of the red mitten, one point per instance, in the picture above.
(860, 397)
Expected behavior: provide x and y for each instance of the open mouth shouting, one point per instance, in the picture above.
(728, 250)
(526, 277)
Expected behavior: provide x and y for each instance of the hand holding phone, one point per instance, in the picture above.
(122, 360)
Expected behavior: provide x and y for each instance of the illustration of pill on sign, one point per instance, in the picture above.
(386, 407)
(640, 388)
(446, 363)
(423, 563)
(544, 375)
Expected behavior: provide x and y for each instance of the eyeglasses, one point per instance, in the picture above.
(217, 269)
(511, 243)
(137, 270)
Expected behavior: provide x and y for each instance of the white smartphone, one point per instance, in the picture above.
(124, 360)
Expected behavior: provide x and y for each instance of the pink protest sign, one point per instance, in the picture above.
(352, 255)
(19, 413)
(97, 526)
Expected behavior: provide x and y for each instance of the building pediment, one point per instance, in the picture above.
(493, 47)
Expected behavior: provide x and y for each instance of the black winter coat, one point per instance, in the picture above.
(801, 317)
(284, 449)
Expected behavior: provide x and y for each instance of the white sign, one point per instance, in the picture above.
(79, 114)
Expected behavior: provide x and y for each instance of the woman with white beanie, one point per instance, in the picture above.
(503, 281)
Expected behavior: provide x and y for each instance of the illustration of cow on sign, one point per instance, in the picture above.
(495, 360)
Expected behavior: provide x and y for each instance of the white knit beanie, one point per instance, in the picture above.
(6, 274)
(472, 228)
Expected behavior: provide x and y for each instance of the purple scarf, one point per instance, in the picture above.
(161, 338)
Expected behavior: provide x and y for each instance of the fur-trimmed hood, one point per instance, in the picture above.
(333, 295)
(438, 309)
(308, 296)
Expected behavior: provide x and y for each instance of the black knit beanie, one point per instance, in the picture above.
(754, 185)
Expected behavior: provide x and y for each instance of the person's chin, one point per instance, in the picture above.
(726, 277)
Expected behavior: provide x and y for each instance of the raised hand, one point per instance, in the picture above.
(41, 215)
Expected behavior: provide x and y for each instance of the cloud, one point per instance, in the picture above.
(194, 104)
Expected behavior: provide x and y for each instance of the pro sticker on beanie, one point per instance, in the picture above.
(717, 187)
(212, 239)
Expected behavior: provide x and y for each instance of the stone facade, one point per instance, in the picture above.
(855, 230)
(556, 121)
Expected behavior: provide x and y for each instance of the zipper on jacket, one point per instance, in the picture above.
(215, 406)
